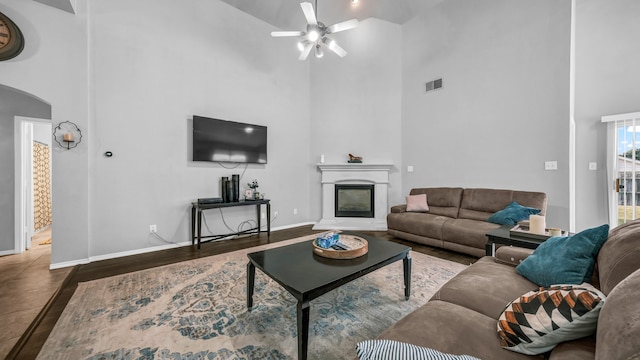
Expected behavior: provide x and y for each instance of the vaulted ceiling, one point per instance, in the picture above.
(287, 14)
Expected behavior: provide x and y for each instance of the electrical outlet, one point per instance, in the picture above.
(262, 215)
(295, 211)
(153, 229)
(275, 213)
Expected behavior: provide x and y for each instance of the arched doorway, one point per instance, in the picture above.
(16, 107)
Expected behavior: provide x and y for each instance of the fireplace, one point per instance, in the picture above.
(362, 185)
(355, 200)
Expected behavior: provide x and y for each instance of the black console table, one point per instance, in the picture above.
(196, 214)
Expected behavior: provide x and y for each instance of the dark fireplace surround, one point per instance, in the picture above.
(355, 200)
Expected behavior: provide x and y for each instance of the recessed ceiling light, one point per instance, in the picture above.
(355, 1)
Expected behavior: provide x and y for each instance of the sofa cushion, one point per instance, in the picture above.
(423, 224)
(452, 329)
(417, 203)
(481, 287)
(511, 214)
(579, 349)
(480, 204)
(619, 255)
(619, 324)
(467, 232)
(537, 321)
(565, 259)
(396, 350)
(442, 201)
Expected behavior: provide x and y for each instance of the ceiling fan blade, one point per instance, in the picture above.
(305, 52)
(286, 33)
(309, 14)
(337, 49)
(342, 26)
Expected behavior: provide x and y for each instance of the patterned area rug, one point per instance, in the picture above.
(197, 310)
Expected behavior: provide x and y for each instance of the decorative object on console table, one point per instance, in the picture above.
(67, 135)
(253, 185)
(235, 183)
(354, 159)
(224, 181)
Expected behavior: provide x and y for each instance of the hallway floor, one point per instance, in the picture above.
(27, 285)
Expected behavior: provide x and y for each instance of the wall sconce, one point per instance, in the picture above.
(67, 135)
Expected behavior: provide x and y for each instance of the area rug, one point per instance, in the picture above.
(197, 310)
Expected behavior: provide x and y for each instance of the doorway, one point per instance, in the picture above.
(32, 181)
(623, 167)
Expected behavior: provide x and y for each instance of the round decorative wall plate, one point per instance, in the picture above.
(11, 39)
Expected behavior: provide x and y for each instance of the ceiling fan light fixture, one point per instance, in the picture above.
(316, 33)
(329, 42)
(313, 35)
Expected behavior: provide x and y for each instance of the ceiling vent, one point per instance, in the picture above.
(433, 85)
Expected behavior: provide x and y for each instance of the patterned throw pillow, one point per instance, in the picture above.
(417, 203)
(396, 350)
(539, 320)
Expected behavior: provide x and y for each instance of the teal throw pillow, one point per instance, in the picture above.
(565, 259)
(513, 213)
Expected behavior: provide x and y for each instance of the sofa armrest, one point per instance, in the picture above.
(399, 208)
(512, 255)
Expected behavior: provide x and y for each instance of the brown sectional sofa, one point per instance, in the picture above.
(461, 318)
(457, 217)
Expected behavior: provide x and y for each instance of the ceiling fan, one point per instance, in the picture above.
(317, 34)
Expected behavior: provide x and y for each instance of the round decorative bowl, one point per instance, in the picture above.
(356, 245)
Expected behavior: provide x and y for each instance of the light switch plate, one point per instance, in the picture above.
(593, 166)
(551, 165)
(410, 168)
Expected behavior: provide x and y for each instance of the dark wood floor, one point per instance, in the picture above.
(31, 342)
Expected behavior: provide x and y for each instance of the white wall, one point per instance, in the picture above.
(52, 67)
(607, 83)
(154, 65)
(504, 107)
(355, 103)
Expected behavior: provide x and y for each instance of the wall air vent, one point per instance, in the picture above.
(433, 85)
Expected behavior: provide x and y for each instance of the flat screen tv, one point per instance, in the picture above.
(228, 141)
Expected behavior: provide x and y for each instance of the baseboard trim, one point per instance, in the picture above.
(148, 250)
(7, 252)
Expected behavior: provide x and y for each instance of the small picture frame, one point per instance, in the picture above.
(248, 194)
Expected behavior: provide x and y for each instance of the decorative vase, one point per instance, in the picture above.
(235, 181)
(256, 194)
(225, 189)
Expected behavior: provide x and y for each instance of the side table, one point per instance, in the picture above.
(502, 235)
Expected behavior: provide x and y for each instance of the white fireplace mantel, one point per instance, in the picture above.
(332, 174)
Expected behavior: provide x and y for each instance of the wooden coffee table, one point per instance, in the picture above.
(307, 276)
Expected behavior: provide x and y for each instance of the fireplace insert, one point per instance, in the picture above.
(355, 200)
